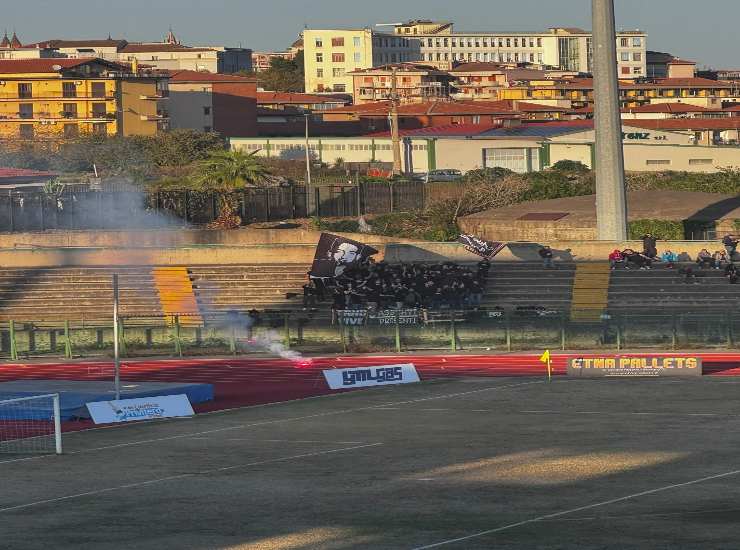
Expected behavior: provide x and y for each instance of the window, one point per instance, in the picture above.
(206, 111)
(637, 56)
(454, 43)
(508, 42)
(358, 57)
(477, 43)
(98, 89)
(636, 70)
(539, 42)
(337, 58)
(319, 43)
(25, 110)
(337, 42)
(516, 42)
(340, 88)
(659, 162)
(539, 58)
(25, 90)
(447, 42)
(626, 70)
(25, 131)
(99, 128)
(319, 73)
(429, 42)
(69, 110)
(625, 56)
(695, 162)
(531, 42)
(71, 131)
(500, 42)
(636, 42)
(319, 58)
(337, 72)
(98, 110)
(624, 42)
(356, 41)
(485, 42)
(155, 58)
(438, 43)
(69, 89)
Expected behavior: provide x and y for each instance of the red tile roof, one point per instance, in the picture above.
(429, 108)
(669, 108)
(145, 48)
(447, 130)
(289, 98)
(588, 84)
(45, 65)
(56, 43)
(478, 67)
(13, 173)
(688, 124)
(202, 76)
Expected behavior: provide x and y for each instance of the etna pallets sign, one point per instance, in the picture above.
(634, 366)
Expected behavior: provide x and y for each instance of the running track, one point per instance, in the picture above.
(243, 381)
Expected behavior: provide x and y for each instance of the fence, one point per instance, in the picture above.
(37, 211)
(313, 332)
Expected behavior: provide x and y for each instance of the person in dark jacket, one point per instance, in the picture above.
(649, 245)
(730, 244)
(546, 255)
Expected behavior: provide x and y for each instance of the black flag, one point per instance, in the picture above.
(334, 254)
(486, 249)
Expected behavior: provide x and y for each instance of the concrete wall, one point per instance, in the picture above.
(186, 103)
(171, 238)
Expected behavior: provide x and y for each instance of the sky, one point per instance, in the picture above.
(703, 31)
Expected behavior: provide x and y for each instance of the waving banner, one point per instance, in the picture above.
(485, 249)
(334, 254)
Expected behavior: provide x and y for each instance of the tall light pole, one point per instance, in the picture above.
(309, 195)
(611, 197)
(395, 133)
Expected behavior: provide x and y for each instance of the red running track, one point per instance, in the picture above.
(240, 382)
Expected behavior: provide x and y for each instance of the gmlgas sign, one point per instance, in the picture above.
(365, 377)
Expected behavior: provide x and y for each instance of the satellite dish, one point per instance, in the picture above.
(56, 67)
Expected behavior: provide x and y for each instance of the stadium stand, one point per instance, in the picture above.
(526, 284)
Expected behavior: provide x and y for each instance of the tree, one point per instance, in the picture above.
(224, 172)
(284, 75)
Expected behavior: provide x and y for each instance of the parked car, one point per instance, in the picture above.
(442, 175)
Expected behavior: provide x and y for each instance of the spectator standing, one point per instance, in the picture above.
(546, 255)
(731, 272)
(669, 258)
(730, 242)
(649, 245)
(719, 259)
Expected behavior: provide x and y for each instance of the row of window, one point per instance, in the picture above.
(668, 162)
(627, 56)
(329, 147)
(338, 57)
(336, 72)
(69, 90)
(69, 110)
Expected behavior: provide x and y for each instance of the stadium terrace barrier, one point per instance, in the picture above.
(313, 332)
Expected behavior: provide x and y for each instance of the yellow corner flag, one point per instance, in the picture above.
(547, 361)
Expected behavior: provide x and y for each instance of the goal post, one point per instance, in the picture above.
(31, 425)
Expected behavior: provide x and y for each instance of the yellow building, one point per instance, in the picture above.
(63, 98)
(331, 55)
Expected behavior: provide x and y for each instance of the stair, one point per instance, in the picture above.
(176, 295)
(590, 292)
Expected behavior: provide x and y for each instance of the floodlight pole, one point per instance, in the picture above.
(611, 197)
(310, 199)
(116, 355)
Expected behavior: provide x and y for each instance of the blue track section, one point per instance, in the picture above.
(74, 394)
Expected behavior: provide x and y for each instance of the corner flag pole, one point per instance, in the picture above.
(546, 359)
(116, 355)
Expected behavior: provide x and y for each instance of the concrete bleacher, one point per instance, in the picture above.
(522, 284)
(662, 290)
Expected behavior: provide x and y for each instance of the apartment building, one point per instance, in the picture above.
(261, 61)
(63, 98)
(210, 102)
(330, 55)
(570, 49)
(414, 82)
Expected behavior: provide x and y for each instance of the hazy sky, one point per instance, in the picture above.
(704, 31)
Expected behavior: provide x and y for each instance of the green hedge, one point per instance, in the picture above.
(665, 230)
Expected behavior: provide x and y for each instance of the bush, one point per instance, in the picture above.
(571, 166)
(557, 185)
(663, 229)
(338, 226)
(487, 175)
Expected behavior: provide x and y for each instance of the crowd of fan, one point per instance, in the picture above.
(721, 259)
(382, 285)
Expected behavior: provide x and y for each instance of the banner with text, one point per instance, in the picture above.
(365, 377)
(483, 248)
(634, 366)
(144, 408)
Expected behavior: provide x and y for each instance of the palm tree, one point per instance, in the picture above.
(224, 172)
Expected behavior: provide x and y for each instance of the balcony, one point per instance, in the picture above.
(56, 97)
(161, 115)
(154, 97)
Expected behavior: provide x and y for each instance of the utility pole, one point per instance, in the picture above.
(310, 206)
(611, 196)
(395, 134)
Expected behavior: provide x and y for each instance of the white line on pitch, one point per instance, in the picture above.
(183, 476)
(280, 420)
(579, 509)
(281, 440)
(626, 413)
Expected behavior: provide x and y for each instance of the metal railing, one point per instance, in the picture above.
(312, 331)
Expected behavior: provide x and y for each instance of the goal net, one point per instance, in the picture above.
(31, 425)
